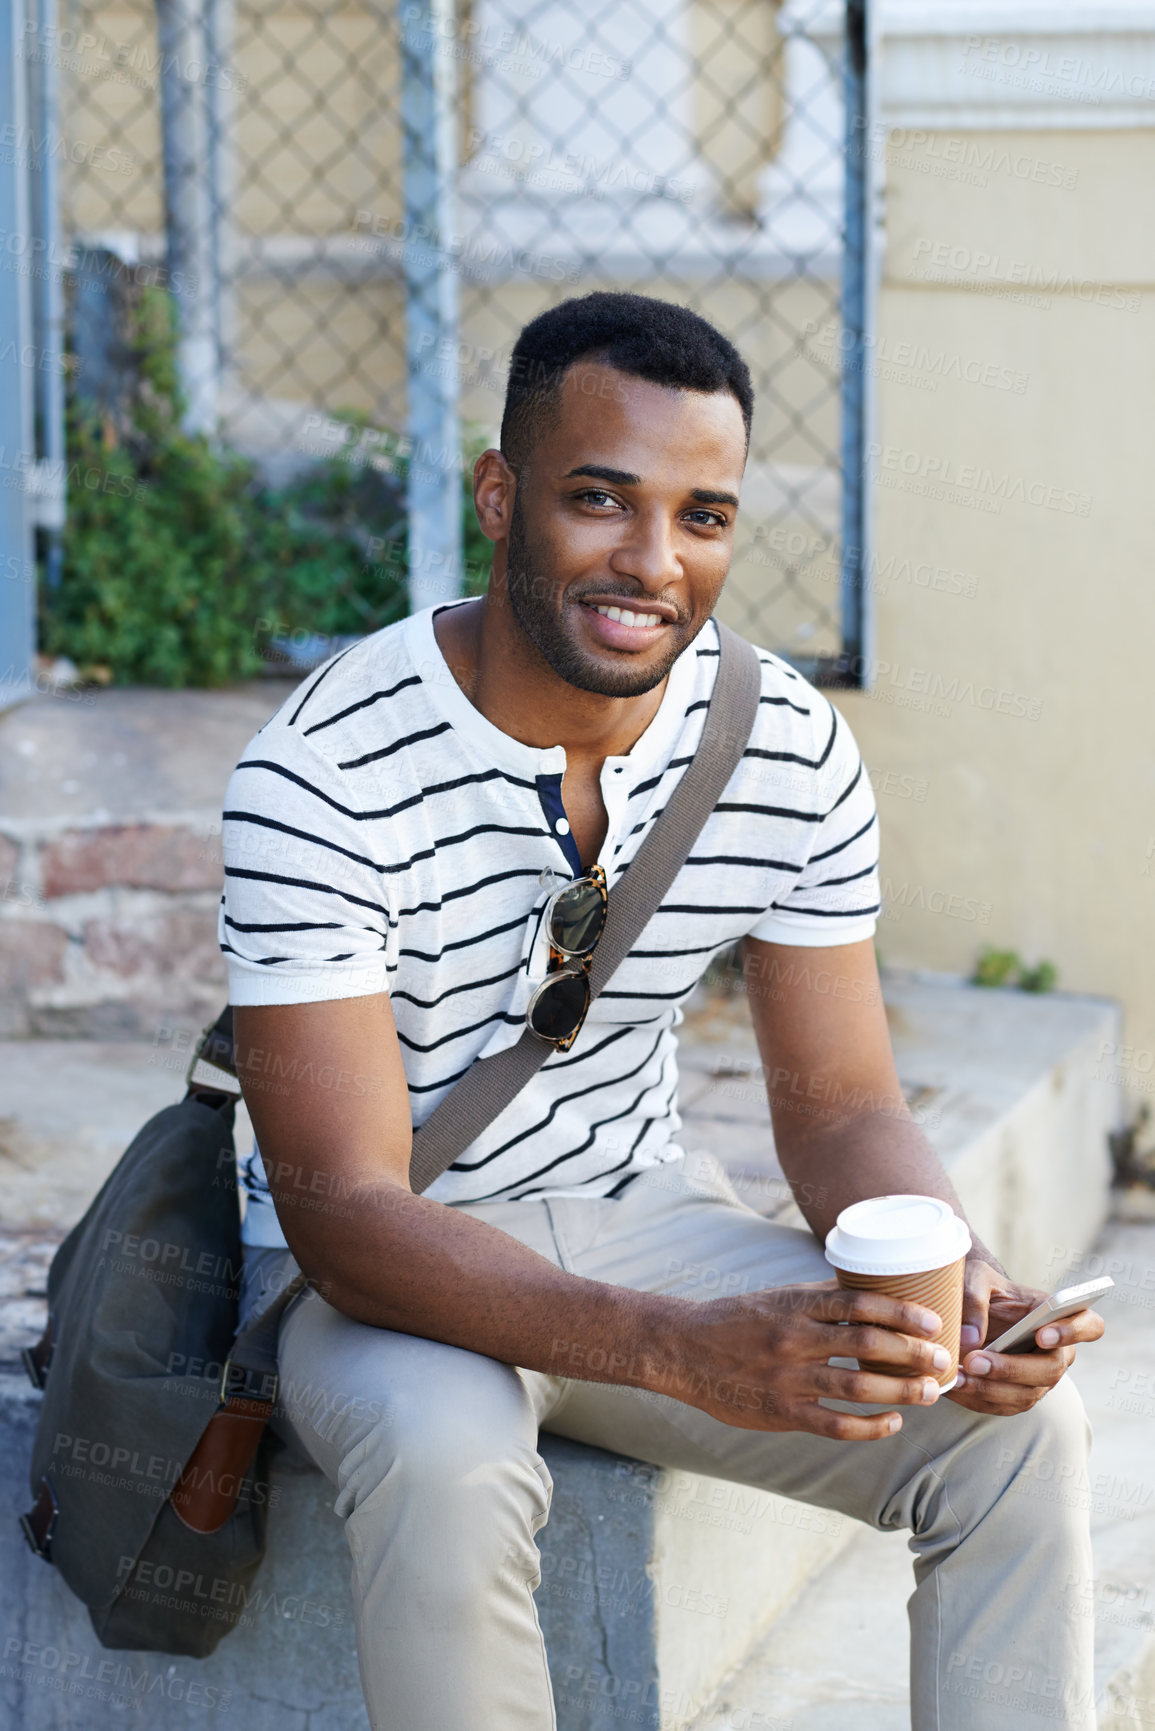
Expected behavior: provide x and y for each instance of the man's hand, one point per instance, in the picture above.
(760, 1362)
(1009, 1382)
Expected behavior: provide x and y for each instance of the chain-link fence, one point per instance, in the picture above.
(358, 203)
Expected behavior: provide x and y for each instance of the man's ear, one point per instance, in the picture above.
(494, 487)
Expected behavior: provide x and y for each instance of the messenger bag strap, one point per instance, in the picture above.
(492, 1083)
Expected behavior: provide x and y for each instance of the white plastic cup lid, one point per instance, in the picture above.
(897, 1235)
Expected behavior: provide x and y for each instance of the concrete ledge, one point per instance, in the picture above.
(654, 1585)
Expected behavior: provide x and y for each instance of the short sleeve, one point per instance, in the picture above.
(304, 915)
(835, 899)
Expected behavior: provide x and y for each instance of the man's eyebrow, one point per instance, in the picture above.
(623, 478)
(599, 472)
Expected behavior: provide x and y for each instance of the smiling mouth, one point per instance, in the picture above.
(626, 616)
(632, 618)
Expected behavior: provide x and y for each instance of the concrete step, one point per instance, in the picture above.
(655, 1585)
(801, 1678)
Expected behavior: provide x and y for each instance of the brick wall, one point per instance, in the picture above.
(109, 929)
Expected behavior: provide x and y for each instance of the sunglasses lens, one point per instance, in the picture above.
(578, 916)
(560, 1006)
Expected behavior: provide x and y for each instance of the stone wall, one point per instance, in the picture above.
(110, 867)
(109, 928)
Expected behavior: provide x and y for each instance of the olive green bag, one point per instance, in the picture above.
(142, 1302)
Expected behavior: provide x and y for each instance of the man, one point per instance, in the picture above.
(392, 838)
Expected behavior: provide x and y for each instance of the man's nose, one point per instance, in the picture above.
(647, 553)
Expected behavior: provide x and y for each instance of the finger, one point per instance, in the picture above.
(873, 1388)
(1031, 1369)
(999, 1400)
(1084, 1325)
(975, 1312)
(850, 1426)
(842, 1305)
(886, 1346)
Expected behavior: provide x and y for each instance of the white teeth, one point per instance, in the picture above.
(626, 617)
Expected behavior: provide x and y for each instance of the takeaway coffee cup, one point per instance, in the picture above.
(911, 1247)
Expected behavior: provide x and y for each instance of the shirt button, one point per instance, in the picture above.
(562, 826)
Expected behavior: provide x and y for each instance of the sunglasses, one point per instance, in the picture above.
(574, 919)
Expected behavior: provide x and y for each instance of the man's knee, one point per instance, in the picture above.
(453, 1446)
(1042, 1454)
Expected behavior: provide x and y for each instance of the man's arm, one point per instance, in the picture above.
(325, 1086)
(843, 1132)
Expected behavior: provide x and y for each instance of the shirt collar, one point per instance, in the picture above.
(654, 747)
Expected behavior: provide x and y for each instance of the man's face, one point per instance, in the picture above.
(622, 528)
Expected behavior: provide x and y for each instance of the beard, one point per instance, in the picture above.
(545, 615)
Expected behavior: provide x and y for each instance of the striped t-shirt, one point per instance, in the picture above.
(380, 835)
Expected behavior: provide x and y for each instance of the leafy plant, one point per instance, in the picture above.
(180, 563)
(1007, 968)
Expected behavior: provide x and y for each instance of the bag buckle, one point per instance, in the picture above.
(37, 1360)
(39, 1524)
(213, 1063)
(241, 1382)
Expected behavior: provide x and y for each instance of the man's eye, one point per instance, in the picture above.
(713, 518)
(595, 496)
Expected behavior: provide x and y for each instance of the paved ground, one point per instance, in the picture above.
(72, 1106)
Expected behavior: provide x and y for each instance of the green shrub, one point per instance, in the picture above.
(179, 563)
(1007, 968)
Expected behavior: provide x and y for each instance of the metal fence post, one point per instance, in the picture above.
(428, 123)
(48, 293)
(181, 39)
(17, 430)
(856, 594)
(220, 117)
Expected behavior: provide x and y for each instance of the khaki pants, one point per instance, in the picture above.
(433, 1454)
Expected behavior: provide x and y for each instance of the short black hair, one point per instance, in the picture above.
(647, 338)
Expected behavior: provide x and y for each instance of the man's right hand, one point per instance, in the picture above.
(760, 1362)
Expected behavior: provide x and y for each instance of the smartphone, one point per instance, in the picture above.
(1020, 1337)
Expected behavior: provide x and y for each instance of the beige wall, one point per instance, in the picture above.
(1011, 724)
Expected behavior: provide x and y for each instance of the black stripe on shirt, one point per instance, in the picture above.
(324, 674)
(364, 703)
(398, 745)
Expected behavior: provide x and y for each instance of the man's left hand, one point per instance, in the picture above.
(1009, 1382)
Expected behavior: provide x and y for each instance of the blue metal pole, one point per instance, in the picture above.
(17, 434)
(428, 123)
